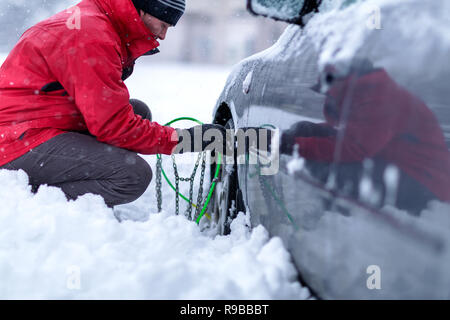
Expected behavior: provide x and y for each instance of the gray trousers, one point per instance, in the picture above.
(79, 164)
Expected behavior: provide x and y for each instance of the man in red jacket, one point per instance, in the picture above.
(371, 119)
(65, 114)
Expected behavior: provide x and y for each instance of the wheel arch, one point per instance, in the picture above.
(223, 114)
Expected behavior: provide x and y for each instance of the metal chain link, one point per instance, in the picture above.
(159, 184)
(191, 186)
(177, 186)
(178, 179)
(200, 199)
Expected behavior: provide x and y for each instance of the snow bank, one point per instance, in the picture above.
(51, 248)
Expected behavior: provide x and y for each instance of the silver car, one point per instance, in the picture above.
(348, 243)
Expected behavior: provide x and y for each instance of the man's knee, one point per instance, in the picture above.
(141, 109)
(146, 172)
(128, 183)
(140, 175)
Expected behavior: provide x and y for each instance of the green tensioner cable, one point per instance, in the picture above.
(213, 184)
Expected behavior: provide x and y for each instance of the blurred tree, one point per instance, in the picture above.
(18, 15)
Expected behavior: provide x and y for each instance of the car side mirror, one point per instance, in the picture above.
(291, 11)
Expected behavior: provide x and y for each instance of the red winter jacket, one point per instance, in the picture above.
(383, 120)
(85, 49)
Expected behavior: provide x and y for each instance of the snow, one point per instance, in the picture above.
(297, 163)
(344, 26)
(2, 57)
(247, 82)
(48, 242)
(278, 10)
(54, 249)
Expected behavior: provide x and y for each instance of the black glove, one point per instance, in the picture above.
(303, 129)
(252, 137)
(201, 138)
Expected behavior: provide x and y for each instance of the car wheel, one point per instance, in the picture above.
(228, 200)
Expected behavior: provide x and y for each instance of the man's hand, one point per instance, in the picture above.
(254, 138)
(201, 138)
(211, 137)
(303, 129)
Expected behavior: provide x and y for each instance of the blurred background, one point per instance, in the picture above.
(220, 32)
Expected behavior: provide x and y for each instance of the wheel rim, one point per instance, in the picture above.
(221, 201)
(224, 193)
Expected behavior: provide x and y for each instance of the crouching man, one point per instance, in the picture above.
(66, 117)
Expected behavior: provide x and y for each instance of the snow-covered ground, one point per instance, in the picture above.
(51, 248)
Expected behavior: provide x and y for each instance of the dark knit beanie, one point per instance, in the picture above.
(169, 11)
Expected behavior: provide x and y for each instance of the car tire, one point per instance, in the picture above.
(227, 201)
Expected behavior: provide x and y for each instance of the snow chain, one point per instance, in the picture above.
(202, 202)
(158, 183)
